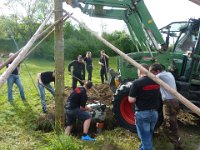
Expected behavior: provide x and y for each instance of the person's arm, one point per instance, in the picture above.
(69, 66)
(132, 93)
(83, 71)
(131, 99)
(84, 99)
(101, 62)
(106, 55)
(86, 108)
(39, 78)
(18, 69)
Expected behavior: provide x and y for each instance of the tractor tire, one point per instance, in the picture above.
(124, 111)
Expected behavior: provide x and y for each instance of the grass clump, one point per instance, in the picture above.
(63, 142)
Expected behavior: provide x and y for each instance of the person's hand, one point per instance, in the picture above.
(90, 109)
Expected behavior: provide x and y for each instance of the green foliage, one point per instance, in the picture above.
(7, 45)
(77, 40)
(121, 40)
(63, 142)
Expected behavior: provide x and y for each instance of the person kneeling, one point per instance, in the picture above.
(76, 108)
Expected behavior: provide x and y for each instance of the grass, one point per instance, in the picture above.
(18, 121)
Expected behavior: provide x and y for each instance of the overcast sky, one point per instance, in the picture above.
(162, 11)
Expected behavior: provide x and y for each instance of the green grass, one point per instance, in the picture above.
(18, 122)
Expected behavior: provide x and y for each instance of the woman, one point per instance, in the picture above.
(104, 65)
(89, 64)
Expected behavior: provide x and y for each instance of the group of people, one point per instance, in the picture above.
(44, 79)
(144, 93)
(78, 73)
(76, 103)
(147, 95)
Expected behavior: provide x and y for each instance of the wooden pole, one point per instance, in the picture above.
(182, 99)
(64, 18)
(59, 66)
(22, 53)
(9, 60)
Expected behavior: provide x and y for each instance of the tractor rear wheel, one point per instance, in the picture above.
(124, 111)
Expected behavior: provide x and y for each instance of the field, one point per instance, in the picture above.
(19, 122)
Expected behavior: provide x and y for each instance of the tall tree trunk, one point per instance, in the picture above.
(59, 66)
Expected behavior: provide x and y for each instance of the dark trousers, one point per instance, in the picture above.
(170, 111)
(75, 79)
(103, 72)
(89, 71)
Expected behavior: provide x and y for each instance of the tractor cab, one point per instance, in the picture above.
(185, 56)
(184, 36)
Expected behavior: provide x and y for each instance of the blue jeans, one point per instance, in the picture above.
(145, 124)
(42, 94)
(10, 81)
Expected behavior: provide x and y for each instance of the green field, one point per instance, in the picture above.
(18, 122)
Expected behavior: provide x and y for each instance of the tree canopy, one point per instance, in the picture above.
(21, 27)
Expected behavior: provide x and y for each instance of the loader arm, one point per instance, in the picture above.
(134, 13)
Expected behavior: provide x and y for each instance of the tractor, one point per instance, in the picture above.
(182, 58)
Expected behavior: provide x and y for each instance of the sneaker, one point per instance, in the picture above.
(87, 138)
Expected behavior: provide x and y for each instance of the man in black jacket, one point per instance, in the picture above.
(78, 73)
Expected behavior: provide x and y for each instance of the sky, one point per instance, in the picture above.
(162, 11)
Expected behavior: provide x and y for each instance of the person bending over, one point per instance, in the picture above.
(44, 79)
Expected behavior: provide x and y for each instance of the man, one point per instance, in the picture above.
(170, 105)
(76, 108)
(145, 93)
(15, 78)
(44, 80)
(78, 73)
(104, 65)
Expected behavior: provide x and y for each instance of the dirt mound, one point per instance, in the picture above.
(99, 92)
(187, 118)
(102, 93)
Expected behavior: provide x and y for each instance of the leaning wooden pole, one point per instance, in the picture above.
(64, 18)
(59, 66)
(23, 52)
(9, 60)
(181, 98)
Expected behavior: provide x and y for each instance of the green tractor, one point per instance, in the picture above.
(182, 59)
